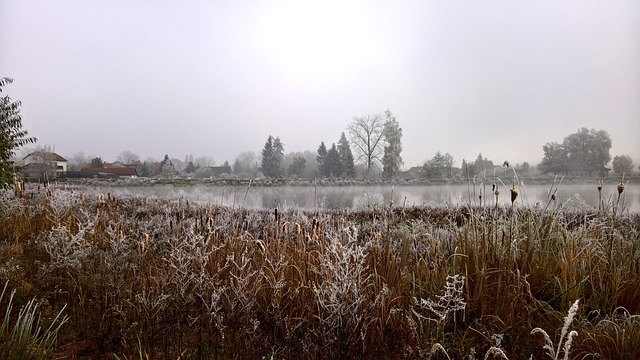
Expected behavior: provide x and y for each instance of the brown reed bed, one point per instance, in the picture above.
(170, 278)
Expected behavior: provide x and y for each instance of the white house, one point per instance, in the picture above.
(44, 164)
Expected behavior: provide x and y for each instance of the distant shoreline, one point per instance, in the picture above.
(342, 182)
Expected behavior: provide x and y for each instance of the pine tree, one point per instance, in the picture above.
(278, 155)
(272, 155)
(333, 167)
(321, 158)
(391, 160)
(267, 156)
(346, 157)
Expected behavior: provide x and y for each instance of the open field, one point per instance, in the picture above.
(170, 277)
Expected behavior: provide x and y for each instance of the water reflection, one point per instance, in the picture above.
(338, 197)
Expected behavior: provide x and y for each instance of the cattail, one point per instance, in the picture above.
(260, 244)
(620, 188)
(141, 246)
(285, 228)
(297, 228)
(341, 222)
(554, 197)
(514, 195)
(120, 235)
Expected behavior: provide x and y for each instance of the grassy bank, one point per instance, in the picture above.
(169, 278)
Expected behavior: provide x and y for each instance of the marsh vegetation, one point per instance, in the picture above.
(169, 277)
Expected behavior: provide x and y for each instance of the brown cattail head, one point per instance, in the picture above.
(497, 192)
(554, 197)
(600, 185)
(620, 188)
(297, 228)
(146, 237)
(514, 194)
(285, 228)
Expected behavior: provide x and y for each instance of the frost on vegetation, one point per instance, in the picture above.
(8, 202)
(444, 305)
(340, 298)
(576, 204)
(549, 348)
(67, 249)
(368, 201)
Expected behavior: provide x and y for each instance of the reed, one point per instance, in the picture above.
(169, 278)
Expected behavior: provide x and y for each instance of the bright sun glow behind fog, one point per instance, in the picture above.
(315, 42)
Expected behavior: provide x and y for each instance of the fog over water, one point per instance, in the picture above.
(581, 196)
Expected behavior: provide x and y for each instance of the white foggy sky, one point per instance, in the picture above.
(217, 77)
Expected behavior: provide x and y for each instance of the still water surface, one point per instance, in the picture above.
(338, 197)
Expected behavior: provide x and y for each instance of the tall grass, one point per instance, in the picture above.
(169, 277)
(24, 337)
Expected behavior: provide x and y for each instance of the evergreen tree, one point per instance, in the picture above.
(346, 157)
(321, 158)
(166, 167)
(297, 167)
(272, 155)
(190, 168)
(278, 155)
(333, 167)
(391, 159)
(267, 157)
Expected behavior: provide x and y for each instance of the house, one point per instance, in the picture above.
(44, 165)
(416, 172)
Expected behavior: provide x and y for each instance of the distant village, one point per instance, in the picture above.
(47, 165)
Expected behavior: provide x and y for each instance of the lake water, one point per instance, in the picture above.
(338, 197)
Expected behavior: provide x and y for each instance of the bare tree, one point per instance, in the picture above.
(127, 157)
(366, 133)
(246, 164)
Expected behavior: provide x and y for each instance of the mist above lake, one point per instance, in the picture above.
(582, 196)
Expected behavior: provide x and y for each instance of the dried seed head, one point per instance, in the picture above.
(554, 197)
(261, 246)
(297, 228)
(497, 192)
(285, 228)
(620, 188)
(146, 238)
(514, 194)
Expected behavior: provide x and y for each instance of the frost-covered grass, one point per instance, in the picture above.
(169, 277)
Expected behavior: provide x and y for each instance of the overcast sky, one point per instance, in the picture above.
(216, 78)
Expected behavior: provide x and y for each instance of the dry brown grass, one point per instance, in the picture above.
(211, 282)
